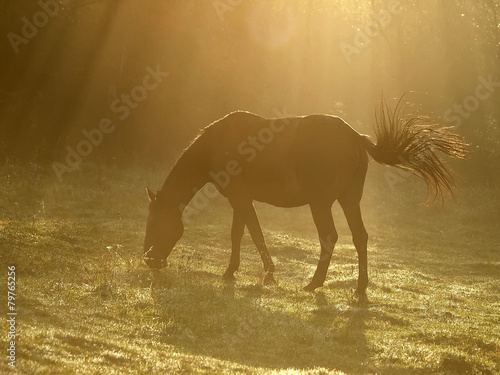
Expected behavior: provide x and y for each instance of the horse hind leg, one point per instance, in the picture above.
(323, 219)
(352, 211)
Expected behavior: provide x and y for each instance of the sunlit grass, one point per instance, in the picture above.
(87, 304)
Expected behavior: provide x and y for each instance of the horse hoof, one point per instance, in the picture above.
(269, 279)
(362, 297)
(311, 287)
(229, 277)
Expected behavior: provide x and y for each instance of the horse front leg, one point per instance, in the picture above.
(237, 230)
(247, 210)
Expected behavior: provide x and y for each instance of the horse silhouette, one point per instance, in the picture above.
(310, 160)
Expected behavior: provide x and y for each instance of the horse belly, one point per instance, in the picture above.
(275, 184)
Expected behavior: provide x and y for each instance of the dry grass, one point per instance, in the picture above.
(88, 305)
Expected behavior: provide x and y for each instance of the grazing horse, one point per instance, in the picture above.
(289, 162)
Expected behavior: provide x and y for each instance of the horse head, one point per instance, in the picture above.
(163, 229)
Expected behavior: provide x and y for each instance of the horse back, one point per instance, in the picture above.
(284, 161)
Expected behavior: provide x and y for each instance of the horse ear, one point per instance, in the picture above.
(151, 195)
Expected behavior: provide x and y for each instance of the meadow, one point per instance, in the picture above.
(87, 304)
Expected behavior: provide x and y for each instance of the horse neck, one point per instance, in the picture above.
(189, 174)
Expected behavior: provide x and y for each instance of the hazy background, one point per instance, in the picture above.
(267, 57)
(86, 299)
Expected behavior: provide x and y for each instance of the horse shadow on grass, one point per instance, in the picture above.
(265, 327)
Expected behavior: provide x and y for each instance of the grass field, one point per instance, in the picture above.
(87, 304)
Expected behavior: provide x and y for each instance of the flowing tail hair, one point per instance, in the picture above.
(414, 145)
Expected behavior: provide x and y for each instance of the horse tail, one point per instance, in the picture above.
(415, 145)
